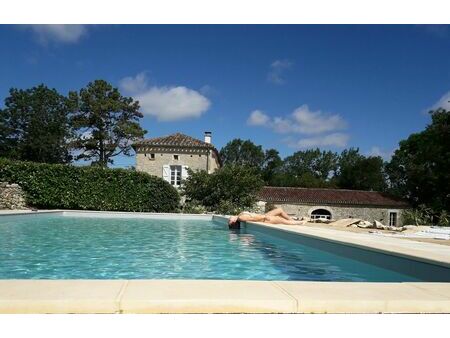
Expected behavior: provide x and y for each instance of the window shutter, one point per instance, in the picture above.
(184, 172)
(166, 173)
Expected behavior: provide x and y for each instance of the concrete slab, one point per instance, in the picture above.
(421, 251)
(205, 296)
(439, 289)
(345, 297)
(60, 296)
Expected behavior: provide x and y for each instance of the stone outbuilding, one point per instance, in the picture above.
(169, 157)
(334, 204)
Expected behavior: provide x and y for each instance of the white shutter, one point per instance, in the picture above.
(184, 172)
(166, 172)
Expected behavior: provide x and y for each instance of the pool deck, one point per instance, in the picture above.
(225, 296)
(420, 251)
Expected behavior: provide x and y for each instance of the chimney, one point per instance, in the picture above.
(208, 137)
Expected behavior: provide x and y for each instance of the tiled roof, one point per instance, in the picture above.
(329, 196)
(174, 140)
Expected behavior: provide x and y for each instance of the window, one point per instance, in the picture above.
(175, 175)
(393, 218)
(175, 157)
(152, 156)
(320, 214)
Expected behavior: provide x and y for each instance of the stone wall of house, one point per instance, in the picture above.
(11, 196)
(195, 159)
(338, 212)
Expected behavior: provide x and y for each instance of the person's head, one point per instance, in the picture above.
(234, 223)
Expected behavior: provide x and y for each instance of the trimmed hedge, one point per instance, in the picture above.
(89, 188)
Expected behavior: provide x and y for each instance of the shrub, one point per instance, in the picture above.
(89, 188)
(193, 207)
(419, 216)
(227, 190)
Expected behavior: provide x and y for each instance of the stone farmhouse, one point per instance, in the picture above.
(334, 204)
(169, 157)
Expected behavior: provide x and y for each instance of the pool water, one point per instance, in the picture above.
(54, 246)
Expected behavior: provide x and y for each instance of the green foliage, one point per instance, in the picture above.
(319, 164)
(239, 152)
(312, 168)
(306, 180)
(419, 169)
(272, 164)
(359, 172)
(418, 216)
(89, 188)
(107, 122)
(444, 218)
(227, 190)
(34, 126)
(226, 207)
(193, 207)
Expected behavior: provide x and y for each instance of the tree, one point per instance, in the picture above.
(306, 180)
(359, 172)
(419, 169)
(107, 122)
(271, 165)
(34, 126)
(239, 152)
(228, 190)
(319, 164)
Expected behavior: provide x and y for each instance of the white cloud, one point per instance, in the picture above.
(168, 103)
(258, 118)
(443, 102)
(301, 121)
(277, 71)
(377, 151)
(306, 121)
(135, 84)
(339, 140)
(59, 33)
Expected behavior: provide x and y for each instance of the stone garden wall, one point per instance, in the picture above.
(339, 212)
(11, 196)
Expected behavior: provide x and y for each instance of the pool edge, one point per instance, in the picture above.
(223, 296)
(413, 250)
(220, 296)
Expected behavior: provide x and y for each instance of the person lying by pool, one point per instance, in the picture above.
(275, 216)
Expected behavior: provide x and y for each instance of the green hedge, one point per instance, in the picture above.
(89, 188)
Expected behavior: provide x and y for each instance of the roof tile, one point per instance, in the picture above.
(176, 140)
(329, 196)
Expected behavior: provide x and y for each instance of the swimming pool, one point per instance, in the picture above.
(85, 246)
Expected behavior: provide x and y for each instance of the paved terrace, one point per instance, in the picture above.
(221, 296)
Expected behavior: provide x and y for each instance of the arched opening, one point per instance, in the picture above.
(320, 214)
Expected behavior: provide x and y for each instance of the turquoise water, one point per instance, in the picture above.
(64, 247)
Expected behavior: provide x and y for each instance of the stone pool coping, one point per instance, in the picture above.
(225, 296)
(420, 251)
(220, 296)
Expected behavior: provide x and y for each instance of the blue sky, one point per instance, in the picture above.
(284, 87)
